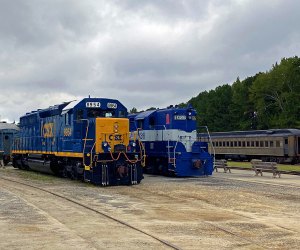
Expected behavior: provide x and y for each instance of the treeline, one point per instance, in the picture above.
(264, 101)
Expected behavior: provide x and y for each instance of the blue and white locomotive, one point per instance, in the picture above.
(87, 139)
(170, 139)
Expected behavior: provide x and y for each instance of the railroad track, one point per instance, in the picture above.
(162, 241)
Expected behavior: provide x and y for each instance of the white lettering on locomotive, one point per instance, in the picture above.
(93, 104)
(179, 117)
(112, 105)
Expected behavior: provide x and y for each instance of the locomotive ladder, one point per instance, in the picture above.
(133, 174)
(105, 175)
(211, 143)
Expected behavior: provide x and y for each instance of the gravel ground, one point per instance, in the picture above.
(236, 211)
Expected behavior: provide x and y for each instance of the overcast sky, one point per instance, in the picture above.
(143, 52)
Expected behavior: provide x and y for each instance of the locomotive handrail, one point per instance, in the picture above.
(211, 143)
(142, 151)
(86, 134)
(175, 152)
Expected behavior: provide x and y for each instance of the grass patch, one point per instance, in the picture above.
(32, 175)
(282, 167)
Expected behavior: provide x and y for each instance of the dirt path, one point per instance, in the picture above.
(203, 213)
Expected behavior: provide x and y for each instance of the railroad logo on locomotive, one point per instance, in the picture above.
(47, 131)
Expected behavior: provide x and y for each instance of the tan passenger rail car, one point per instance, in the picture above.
(280, 145)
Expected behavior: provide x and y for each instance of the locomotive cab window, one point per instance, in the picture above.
(66, 118)
(79, 114)
(122, 114)
(140, 123)
(109, 114)
(93, 113)
(151, 122)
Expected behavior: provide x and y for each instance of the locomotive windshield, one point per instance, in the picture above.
(93, 113)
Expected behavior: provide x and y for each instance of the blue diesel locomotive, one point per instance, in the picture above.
(87, 139)
(171, 143)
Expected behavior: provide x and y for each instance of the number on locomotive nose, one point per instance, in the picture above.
(115, 137)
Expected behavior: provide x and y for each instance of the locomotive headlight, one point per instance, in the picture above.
(133, 144)
(116, 127)
(105, 146)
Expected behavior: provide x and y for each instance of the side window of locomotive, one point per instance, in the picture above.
(151, 122)
(140, 123)
(67, 119)
(79, 115)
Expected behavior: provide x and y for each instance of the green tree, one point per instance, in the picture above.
(133, 110)
(276, 95)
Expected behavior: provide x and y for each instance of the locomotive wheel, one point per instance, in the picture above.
(74, 173)
(64, 172)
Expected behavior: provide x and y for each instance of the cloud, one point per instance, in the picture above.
(144, 53)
